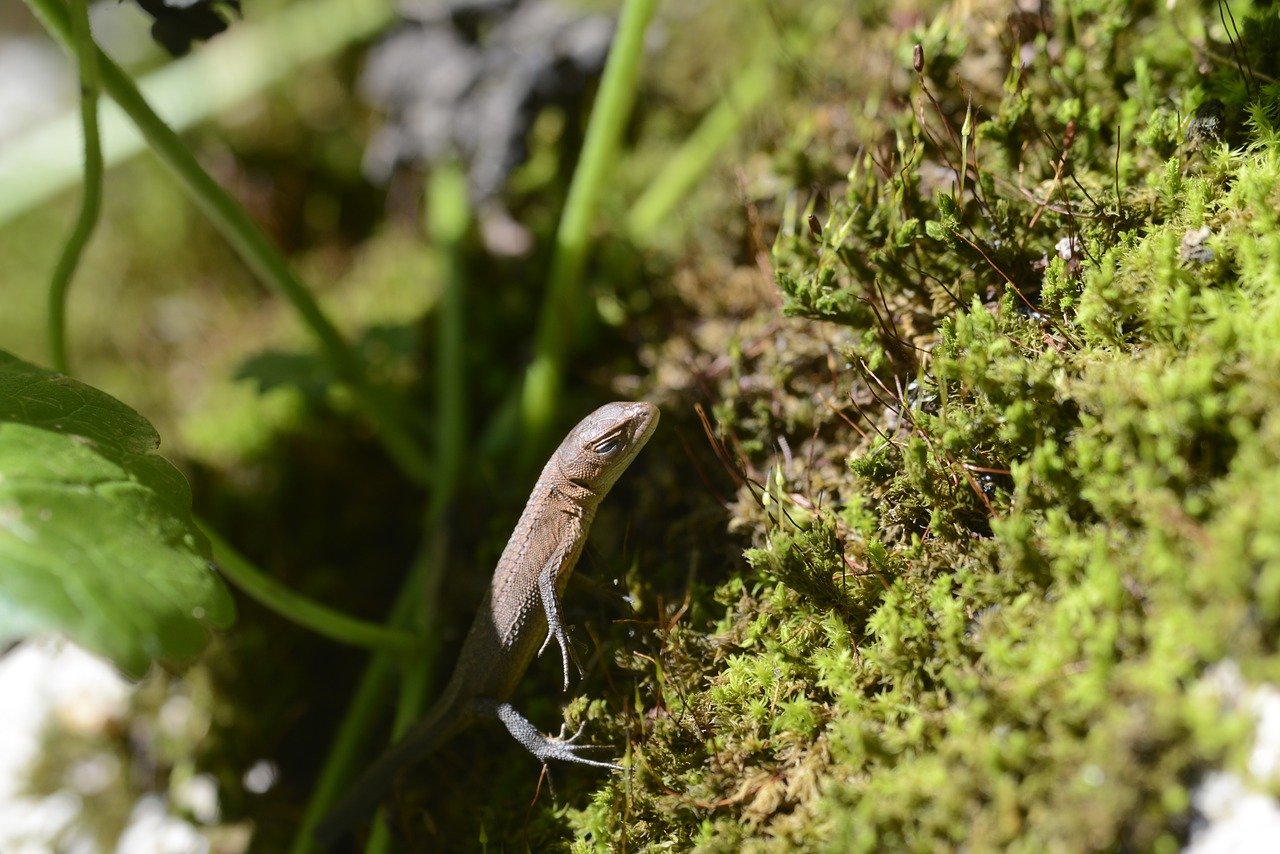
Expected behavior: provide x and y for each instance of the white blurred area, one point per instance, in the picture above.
(35, 83)
(51, 683)
(37, 80)
(1234, 813)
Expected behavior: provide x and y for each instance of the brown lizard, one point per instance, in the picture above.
(520, 613)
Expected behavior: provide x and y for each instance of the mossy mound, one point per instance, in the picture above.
(1050, 355)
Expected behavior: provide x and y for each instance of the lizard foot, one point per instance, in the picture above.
(545, 747)
(567, 651)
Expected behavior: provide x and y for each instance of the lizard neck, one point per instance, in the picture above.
(572, 498)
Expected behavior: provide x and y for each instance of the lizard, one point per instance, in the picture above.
(520, 609)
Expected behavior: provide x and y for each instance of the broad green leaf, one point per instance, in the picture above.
(96, 536)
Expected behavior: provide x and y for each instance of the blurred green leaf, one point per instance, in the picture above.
(96, 537)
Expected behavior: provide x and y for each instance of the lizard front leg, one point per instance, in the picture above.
(551, 608)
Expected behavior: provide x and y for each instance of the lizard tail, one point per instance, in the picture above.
(440, 723)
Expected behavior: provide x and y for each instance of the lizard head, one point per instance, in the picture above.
(599, 449)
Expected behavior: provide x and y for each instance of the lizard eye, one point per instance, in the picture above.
(608, 445)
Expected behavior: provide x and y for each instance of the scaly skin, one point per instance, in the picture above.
(520, 614)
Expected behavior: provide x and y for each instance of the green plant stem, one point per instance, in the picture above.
(449, 217)
(716, 130)
(563, 299)
(91, 195)
(416, 604)
(254, 248)
(308, 613)
(417, 674)
(347, 753)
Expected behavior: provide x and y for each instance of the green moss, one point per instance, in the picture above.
(991, 627)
